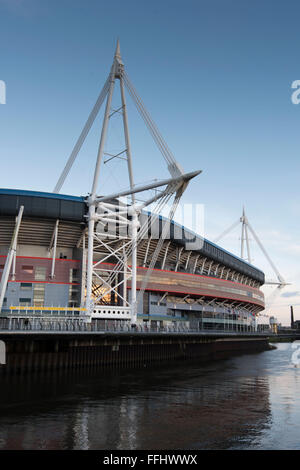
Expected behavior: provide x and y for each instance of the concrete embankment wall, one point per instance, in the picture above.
(27, 353)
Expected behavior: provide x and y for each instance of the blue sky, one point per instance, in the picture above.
(216, 77)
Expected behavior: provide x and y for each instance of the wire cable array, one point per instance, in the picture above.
(82, 137)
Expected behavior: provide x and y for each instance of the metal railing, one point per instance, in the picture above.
(106, 326)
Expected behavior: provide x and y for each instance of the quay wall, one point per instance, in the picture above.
(35, 352)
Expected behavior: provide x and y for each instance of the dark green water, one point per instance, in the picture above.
(246, 402)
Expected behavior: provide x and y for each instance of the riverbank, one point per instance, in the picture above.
(30, 353)
(247, 401)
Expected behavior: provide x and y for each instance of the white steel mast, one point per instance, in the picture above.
(108, 209)
(245, 238)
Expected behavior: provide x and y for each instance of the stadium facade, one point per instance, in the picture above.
(201, 286)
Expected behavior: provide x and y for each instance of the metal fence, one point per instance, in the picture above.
(102, 326)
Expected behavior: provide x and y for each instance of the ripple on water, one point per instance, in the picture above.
(250, 401)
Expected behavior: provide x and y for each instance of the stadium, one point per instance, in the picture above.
(206, 288)
(106, 260)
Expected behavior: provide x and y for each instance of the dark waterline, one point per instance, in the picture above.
(245, 402)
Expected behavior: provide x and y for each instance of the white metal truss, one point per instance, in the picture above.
(245, 239)
(52, 246)
(178, 258)
(195, 263)
(203, 264)
(10, 257)
(113, 226)
(165, 255)
(146, 253)
(187, 261)
(162, 298)
(209, 269)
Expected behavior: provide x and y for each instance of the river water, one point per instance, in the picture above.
(244, 402)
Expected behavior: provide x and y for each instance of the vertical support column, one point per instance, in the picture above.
(209, 269)
(134, 227)
(187, 261)
(10, 256)
(203, 264)
(14, 261)
(248, 244)
(178, 258)
(125, 277)
(13, 274)
(103, 132)
(146, 253)
(54, 250)
(195, 264)
(127, 140)
(255, 321)
(83, 272)
(89, 276)
(91, 201)
(165, 255)
(242, 238)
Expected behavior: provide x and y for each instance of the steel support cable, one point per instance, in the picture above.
(162, 202)
(166, 195)
(247, 243)
(157, 250)
(216, 240)
(155, 133)
(82, 136)
(145, 116)
(163, 234)
(162, 145)
(166, 154)
(270, 300)
(112, 276)
(151, 127)
(280, 278)
(155, 213)
(144, 228)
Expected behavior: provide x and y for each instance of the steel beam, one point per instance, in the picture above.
(187, 260)
(165, 255)
(178, 259)
(146, 252)
(55, 233)
(10, 256)
(162, 298)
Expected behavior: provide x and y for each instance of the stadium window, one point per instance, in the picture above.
(40, 273)
(24, 302)
(73, 276)
(38, 295)
(73, 296)
(1, 267)
(25, 286)
(27, 269)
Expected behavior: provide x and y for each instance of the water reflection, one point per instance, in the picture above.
(243, 402)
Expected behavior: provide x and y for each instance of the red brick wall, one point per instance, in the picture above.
(62, 268)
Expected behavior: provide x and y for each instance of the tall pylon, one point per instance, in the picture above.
(109, 210)
(245, 237)
(245, 226)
